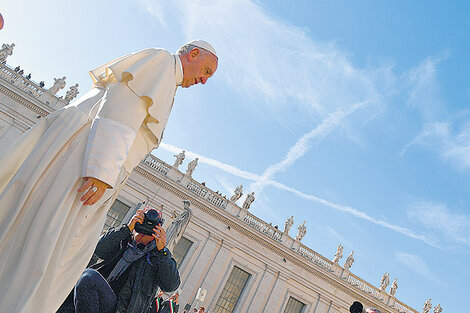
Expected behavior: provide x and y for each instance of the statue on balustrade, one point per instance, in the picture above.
(6, 51)
(338, 254)
(179, 159)
(301, 231)
(288, 224)
(176, 229)
(427, 306)
(393, 288)
(349, 261)
(237, 193)
(28, 76)
(249, 200)
(71, 93)
(437, 309)
(59, 83)
(384, 282)
(191, 166)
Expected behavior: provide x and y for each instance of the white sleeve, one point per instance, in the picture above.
(112, 133)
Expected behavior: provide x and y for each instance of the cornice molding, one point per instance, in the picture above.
(266, 242)
(25, 102)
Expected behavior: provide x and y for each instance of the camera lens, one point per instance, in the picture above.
(152, 216)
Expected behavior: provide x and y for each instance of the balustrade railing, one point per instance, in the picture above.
(156, 164)
(315, 258)
(262, 226)
(19, 81)
(364, 286)
(401, 307)
(209, 195)
(270, 231)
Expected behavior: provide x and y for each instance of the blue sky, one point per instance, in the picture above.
(350, 115)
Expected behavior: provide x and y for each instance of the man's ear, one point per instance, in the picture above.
(193, 54)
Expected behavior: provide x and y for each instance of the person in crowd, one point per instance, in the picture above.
(132, 267)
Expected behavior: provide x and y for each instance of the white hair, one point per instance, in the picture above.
(183, 50)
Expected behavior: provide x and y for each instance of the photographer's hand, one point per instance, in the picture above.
(138, 217)
(160, 237)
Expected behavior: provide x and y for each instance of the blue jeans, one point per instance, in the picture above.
(92, 294)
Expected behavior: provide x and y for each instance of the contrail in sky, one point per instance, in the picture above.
(303, 145)
(346, 209)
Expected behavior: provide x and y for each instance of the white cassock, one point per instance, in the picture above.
(47, 236)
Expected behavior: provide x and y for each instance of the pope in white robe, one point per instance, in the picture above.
(48, 229)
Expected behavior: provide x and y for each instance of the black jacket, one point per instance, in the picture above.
(137, 286)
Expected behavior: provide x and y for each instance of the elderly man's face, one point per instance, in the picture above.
(198, 66)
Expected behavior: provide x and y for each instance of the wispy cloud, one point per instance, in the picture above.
(451, 145)
(450, 226)
(303, 145)
(357, 213)
(275, 62)
(423, 88)
(223, 166)
(417, 265)
(343, 208)
(264, 57)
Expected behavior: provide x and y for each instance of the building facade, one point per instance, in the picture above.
(229, 260)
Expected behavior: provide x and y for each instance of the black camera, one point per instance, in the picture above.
(152, 218)
(356, 307)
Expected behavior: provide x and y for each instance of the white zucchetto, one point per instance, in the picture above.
(204, 45)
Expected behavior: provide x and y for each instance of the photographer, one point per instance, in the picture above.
(134, 264)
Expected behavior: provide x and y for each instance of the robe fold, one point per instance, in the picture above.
(47, 236)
